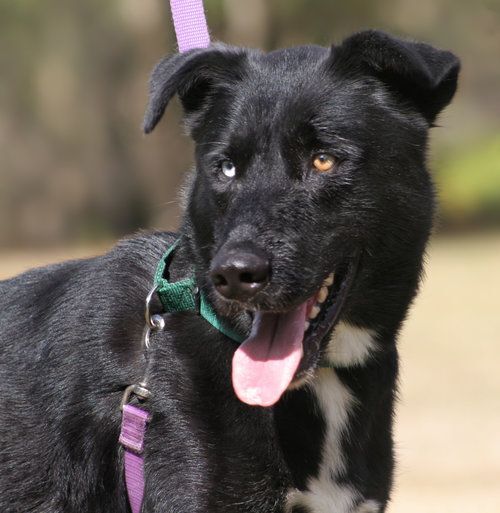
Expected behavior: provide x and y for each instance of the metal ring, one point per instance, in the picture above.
(157, 322)
(147, 314)
(139, 390)
(145, 336)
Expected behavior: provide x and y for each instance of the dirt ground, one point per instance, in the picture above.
(448, 428)
(448, 420)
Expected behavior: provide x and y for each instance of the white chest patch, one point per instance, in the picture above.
(350, 346)
(324, 494)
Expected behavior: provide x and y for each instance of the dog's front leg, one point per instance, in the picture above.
(336, 438)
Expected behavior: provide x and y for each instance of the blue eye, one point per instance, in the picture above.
(228, 168)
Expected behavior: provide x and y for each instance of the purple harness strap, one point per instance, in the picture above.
(134, 422)
(190, 24)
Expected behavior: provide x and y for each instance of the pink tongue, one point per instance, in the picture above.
(265, 363)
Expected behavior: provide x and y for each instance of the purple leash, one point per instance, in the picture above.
(190, 24)
(134, 422)
(192, 32)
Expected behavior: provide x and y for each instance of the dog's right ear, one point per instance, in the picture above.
(194, 76)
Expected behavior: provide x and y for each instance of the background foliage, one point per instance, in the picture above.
(74, 165)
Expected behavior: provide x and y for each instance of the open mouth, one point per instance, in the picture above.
(282, 347)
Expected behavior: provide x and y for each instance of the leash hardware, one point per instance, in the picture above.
(158, 323)
(154, 322)
(197, 299)
(139, 390)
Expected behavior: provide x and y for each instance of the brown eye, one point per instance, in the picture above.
(323, 162)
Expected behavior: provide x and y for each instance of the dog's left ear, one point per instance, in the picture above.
(421, 74)
(194, 76)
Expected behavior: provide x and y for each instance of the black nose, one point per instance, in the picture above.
(240, 274)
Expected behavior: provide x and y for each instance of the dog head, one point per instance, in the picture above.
(311, 200)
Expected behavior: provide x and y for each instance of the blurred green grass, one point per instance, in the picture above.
(468, 180)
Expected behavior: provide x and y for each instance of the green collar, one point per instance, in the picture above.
(183, 295)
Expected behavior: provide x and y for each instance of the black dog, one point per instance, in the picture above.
(305, 225)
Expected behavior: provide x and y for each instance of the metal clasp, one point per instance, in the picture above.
(139, 390)
(197, 299)
(154, 322)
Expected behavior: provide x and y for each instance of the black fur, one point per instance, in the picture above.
(70, 334)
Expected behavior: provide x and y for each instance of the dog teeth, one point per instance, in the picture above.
(329, 280)
(322, 294)
(314, 312)
(320, 298)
